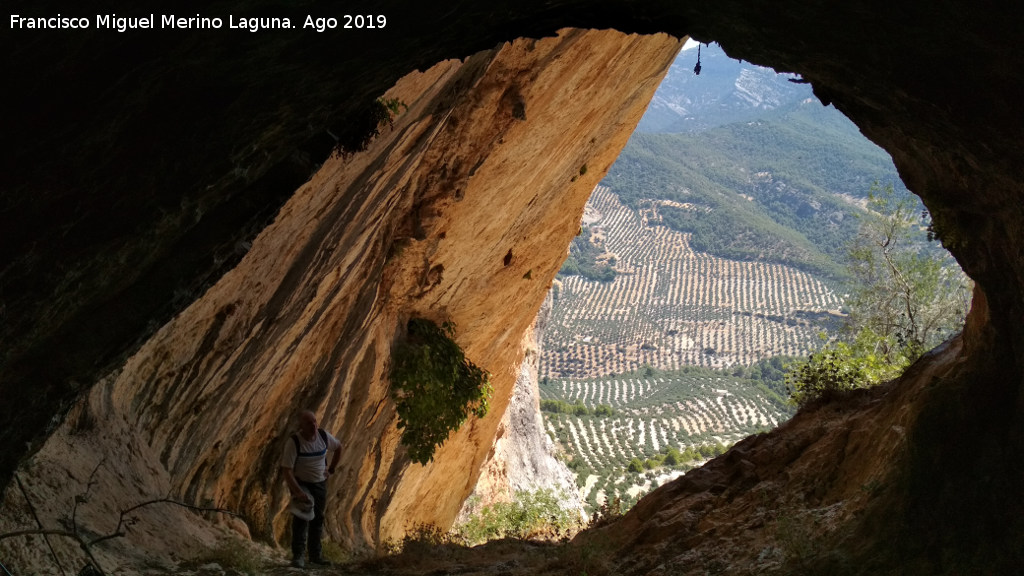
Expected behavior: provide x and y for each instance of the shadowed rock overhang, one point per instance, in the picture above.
(140, 165)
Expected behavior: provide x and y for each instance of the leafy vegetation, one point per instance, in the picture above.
(841, 366)
(909, 292)
(230, 555)
(781, 189)
(365, 124)
(422, 540)
(664, 422)
(769, 376)
(585, 259)
(906, 297)
(608, 512)
(577, 408)
(671, 456)
(335, 553)
(435, 387)
(530, 515)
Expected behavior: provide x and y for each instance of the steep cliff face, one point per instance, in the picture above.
(523, 457)
(462, 210)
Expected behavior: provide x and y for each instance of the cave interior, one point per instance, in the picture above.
(137, 163)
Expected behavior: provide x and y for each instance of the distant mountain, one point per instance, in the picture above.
(782, 185)
(726, 91)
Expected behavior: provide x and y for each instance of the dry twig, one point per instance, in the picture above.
(123, 522)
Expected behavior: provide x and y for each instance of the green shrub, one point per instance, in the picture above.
(608, 512)
(575, 409)
(842, 366)
(711, 450)
(365, 124)
(563, 407)
(532, 514)
(420, 541)
(583, 259)
(825, 373)
(551, 406)
(334, 553)
(435, 387)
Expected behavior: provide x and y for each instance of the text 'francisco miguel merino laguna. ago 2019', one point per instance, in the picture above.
(197, 22)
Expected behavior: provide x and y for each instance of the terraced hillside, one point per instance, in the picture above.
(716, 242)
(692, 408)
(669, 306)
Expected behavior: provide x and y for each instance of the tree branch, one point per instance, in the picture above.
(73, 535)
(86, 545)
(39, 523)
(121, 520)
(37, 532)
(84, 497)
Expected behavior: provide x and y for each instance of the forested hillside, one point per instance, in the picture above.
(671, 306)
(784, 188)
(718, 239)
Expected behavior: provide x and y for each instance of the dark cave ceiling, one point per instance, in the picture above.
(137, 164)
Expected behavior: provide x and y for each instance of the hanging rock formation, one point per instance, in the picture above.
(461, 210)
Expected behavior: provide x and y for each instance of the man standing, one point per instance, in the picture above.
(305, 470)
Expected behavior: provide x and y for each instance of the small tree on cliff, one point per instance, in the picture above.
(907, 296)
(907, 291)
(434, 386)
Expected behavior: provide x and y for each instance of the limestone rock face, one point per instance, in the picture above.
(461, 210)
(523, 457)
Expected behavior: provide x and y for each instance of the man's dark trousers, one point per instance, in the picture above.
(314, 527)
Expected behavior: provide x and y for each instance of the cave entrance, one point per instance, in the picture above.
(744, 227)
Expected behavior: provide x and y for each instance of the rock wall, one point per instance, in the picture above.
(523, 457)
(462, 210)
(815, 495)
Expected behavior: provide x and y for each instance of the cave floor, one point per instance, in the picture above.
(504, 557)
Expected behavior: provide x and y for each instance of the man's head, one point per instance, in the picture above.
(307, 424)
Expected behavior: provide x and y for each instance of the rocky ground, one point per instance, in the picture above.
(508, 558)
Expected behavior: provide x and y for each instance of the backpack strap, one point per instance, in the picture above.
(295, 439)
(323, 436)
